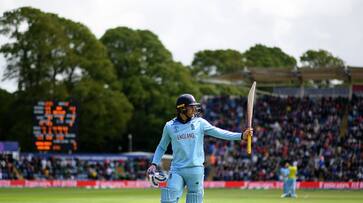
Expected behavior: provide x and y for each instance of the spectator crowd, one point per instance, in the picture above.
(310, 131)
(59, 167)
(323, 135)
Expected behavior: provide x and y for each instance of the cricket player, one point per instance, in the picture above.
(284, 171)
(185, 133)
(292, 180)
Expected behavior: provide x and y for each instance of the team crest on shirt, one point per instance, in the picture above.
(192, 126)
(175, 129)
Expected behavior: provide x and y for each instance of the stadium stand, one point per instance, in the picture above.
(306, 130)
(323, 134)
(75, 167)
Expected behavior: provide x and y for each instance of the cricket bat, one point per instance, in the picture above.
(250, 102)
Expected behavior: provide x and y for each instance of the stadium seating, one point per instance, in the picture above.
(322, 134)
(306, 130)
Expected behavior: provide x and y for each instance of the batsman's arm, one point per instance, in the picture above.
(218, 132)
(162, 147)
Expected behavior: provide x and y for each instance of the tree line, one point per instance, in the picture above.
(126, 82)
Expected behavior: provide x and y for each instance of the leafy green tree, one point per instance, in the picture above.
(150, 79)
(261, 56)
(46, 49)
(6, 99)
(216, 62)
(28, 54)
(320, 58)
(103, 116)
(18, 124)
(56, 58)
(219, 62)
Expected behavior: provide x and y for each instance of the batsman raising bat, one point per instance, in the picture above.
(186, 134)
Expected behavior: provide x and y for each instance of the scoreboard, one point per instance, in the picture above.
(55, 126)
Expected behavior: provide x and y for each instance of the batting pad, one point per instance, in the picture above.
(169, 196)
(195, 197)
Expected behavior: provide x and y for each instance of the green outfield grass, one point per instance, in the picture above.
(70, 195)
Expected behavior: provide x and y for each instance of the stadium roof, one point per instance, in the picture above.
(283, 76)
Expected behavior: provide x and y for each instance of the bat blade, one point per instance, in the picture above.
(250, 102)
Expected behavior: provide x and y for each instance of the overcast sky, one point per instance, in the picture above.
(188, 26)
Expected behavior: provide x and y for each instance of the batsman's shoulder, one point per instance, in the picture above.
(171, 122)
(202, 120)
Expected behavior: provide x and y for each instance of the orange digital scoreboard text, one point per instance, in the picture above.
(55, 126)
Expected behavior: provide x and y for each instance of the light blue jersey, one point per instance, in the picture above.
(284, 173)
(187, 141)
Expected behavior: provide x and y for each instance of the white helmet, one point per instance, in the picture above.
(156, 178)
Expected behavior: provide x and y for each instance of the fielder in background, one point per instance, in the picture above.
(284, 171)
(289, 181)
(292, 180)
(186, 134)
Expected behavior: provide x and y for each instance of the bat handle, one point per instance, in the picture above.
(249, 143)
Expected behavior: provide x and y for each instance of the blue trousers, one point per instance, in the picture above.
(192, 178)
(285, 187)
(291, 182)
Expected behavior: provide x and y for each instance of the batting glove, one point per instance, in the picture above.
(248, 131)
